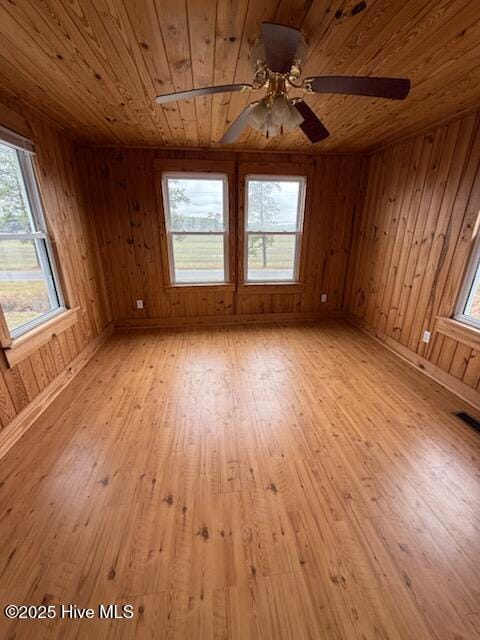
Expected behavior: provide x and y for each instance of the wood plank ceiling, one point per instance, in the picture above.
(95, 66)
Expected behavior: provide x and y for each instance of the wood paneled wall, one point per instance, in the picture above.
(121, 188)
(413, 239)
(75, 244)
(400, 223)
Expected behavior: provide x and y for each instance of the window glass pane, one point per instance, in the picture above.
(473, 303)
(24, 286)
(198, 258)
(195, 204)
(14, 208)
(271, 257)
(273, 205)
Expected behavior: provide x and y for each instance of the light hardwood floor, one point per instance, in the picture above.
(270, 482)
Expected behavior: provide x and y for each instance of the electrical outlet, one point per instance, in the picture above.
(139, 304)
(426, 336)
(323, 297)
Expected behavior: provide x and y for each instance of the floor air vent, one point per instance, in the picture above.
(470, 420)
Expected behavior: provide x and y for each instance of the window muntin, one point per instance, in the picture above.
(468, 307)
(274, 208)
(196, 219)
(29, 289)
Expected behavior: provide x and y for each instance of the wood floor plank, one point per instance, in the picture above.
(246, 482)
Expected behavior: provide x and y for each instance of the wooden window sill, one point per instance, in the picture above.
(459, 331)
(200, 288)
(270, 287)
(25, 345)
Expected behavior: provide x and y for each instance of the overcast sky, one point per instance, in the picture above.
(206, 197)
(286, 198)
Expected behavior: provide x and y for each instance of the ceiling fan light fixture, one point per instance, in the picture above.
(269, 129)
(280, 110)
(277, 57)
(258, 115)
(276, 118)
(295, 119)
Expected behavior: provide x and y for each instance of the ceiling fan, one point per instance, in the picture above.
(277, 60)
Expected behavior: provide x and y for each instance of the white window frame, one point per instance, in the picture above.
(470, 282)
(45, 254)
(196, 175)
(298, 233)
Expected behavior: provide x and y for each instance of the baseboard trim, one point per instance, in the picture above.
(233, 319)
(459, 388)
(24, 420)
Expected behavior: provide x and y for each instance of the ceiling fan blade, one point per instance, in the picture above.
(281, 44)
(204, 91)
(393, 88)
(238, 126)
(311, 125)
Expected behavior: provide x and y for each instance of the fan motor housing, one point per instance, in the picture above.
(259, 65)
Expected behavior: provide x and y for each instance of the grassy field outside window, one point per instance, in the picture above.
(28, 288)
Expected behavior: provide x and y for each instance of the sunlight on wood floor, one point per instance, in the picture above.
(246, 482)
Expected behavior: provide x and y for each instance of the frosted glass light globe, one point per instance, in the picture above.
(258, 115)
(270, 129)
(280, 111)
(295, 119)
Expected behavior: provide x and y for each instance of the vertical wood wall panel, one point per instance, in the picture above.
(413, 238)
(120, 188)
(74, 240)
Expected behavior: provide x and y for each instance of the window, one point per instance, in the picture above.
(29, 290)
(196, 218)
(468, 308)
(273, 227)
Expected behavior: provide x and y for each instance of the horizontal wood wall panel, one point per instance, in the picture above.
(74, 242)
(121, 190)
(413, 239)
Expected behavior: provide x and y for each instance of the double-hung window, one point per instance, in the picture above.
(29, 287)
(468, 307)
(274, 207)
(196, 219)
